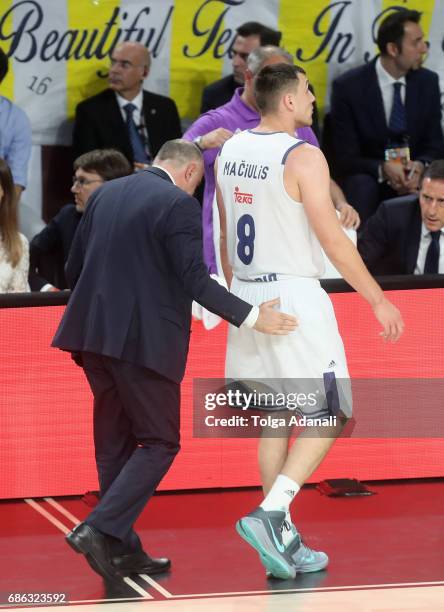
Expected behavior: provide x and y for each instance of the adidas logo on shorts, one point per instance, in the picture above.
(332, 364)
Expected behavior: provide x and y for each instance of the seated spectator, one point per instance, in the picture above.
(14, 248)
(405, 236)
(125, 116)
(15, 131)
(386, 117)
(50, 248)
(249, 36)
(212, 129)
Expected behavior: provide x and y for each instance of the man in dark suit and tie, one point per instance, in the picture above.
(405, 236)
(135, 266)
(125, 116)
(249, 36)
(389, 104)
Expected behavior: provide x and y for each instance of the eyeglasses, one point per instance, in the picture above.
(82, 182)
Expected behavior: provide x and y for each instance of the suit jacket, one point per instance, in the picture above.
(135, 266)
(49, 249)
(218, 93)
(390, 241)
(99, 123)
(359, 128)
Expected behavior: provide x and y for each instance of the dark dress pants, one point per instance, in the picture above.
(136, 438)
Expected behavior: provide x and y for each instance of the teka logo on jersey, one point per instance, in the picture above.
(242, 198)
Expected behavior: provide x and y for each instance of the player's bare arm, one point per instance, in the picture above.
(226, 267)
(307, 179)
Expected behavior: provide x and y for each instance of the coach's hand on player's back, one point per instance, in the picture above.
(271, 321)
(391, 320)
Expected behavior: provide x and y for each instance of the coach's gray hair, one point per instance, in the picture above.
(179, 151)
(260, 55)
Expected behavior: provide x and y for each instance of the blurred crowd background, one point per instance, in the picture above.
(91, 89)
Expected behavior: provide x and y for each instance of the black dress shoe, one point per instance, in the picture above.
(139, 563)
(92, 543)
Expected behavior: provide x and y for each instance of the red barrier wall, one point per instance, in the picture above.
(45, 404)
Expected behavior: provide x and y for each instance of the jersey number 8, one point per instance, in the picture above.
(246, 234)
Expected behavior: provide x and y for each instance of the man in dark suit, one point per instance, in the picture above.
(125, 116)
(135, 266)
(49, 249)
(405, 236)
(380, 109)
(248, 36)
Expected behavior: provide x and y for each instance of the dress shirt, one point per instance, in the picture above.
(385, 82)
(138, 103)
(15, 140)
(423, 248)
(138, 118)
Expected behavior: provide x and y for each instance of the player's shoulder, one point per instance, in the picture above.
(304, 158)
(302, 150)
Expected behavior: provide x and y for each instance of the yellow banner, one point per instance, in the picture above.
(7, 86)
(95, 21)
(197, 39)
(296, 24)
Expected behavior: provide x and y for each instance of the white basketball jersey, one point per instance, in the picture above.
(268, 233)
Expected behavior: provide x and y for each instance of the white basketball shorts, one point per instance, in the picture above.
(314, 351)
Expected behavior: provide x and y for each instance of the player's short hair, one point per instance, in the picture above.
(260, 55)
(435, 171)
(179, 151)
(391, 29)
(107, 163)
(267, 36)
(272, 81)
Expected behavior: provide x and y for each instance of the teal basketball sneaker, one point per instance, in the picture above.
(262, 530)
(304, 558)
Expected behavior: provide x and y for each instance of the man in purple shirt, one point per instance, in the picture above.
(211, 130)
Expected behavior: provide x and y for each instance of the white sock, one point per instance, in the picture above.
(281, 494)
(288, 529)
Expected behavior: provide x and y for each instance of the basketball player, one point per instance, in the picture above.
(276, 214)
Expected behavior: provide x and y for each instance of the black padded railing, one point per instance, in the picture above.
(332, 285)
